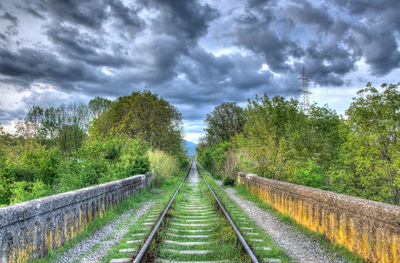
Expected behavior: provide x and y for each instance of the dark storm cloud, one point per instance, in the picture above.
(338, 44)
(176, 48)
(89, 13)
(186, 20)
(327, 62)
(379, 48)
(82, 46)
(255, 31)
(28, 65)
(12, 19)
(33, 12)
(256, 36)
(375, 38)
(128, 17)
(305, 13)
(3, 37)
(6, 115)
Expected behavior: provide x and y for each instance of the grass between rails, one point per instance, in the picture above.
(326, 244)
(213, 233)
(139, 230)
(266, 248)
(109, 215)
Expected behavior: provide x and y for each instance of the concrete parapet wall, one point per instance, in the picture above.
(367, 228)
(29, 230)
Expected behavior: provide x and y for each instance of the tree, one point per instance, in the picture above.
(145, 116)
(98, 105)
(371, 153)
(50, 123)
(33, 119)
(274, 135)
(224, 122)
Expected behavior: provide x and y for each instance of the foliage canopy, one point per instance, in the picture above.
(144, 116)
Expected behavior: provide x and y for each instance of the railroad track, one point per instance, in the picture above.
(193, 227)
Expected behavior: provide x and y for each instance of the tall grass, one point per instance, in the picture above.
(162, 165)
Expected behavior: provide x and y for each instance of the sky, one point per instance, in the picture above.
(196, 54)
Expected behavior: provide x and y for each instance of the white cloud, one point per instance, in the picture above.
(193, 137)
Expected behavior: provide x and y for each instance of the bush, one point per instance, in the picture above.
(162, 165)
(134, 159)
(311, 175)
(102, 161)
(228, 181)
(5, 192)
(25, 191)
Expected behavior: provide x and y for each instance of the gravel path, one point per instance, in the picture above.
(92, 249)
(296, 244)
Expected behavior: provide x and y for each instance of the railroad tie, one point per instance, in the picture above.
(272, 260)
(120, 260)
(127, 250)
(263, 248)
(161, 260)
(188, 243)
(188, 252)
(134, 241)
(190, 230)
(189, 236)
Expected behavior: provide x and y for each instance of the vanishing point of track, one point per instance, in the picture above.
(194, 226)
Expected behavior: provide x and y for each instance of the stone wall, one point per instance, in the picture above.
(367, 228)
(30, 229)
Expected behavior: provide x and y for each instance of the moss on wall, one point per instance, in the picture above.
(367, 228)
(29, 230)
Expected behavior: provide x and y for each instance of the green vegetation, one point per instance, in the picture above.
(68, 147)
(163, 166)
(228, 181)
(357, 155)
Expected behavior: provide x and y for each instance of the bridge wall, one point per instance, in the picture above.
(29, 230)
(367, 228)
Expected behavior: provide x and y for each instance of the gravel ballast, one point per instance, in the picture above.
(295, 243)
(92, 249)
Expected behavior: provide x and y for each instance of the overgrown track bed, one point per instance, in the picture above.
(194, 228)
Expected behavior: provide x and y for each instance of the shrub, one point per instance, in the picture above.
(311, 175)
(5, 192)
(228, 181)
(25, 191)
(162, 165)
(133, 160)
(102, 161)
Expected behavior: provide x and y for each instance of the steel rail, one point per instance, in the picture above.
(233, 225)
(141, 256)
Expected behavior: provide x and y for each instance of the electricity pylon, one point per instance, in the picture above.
(305, 92)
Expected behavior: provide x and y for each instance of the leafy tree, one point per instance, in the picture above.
(98, 105)
(275, 136)
(144, 116)
(25, 191)
(224, 122)
(30, 127)
(278, 141)
(70, 138)
(310, 175)
(370, 156)
(33, 119)
(50, 124)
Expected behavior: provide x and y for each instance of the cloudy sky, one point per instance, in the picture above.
(195, 54)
